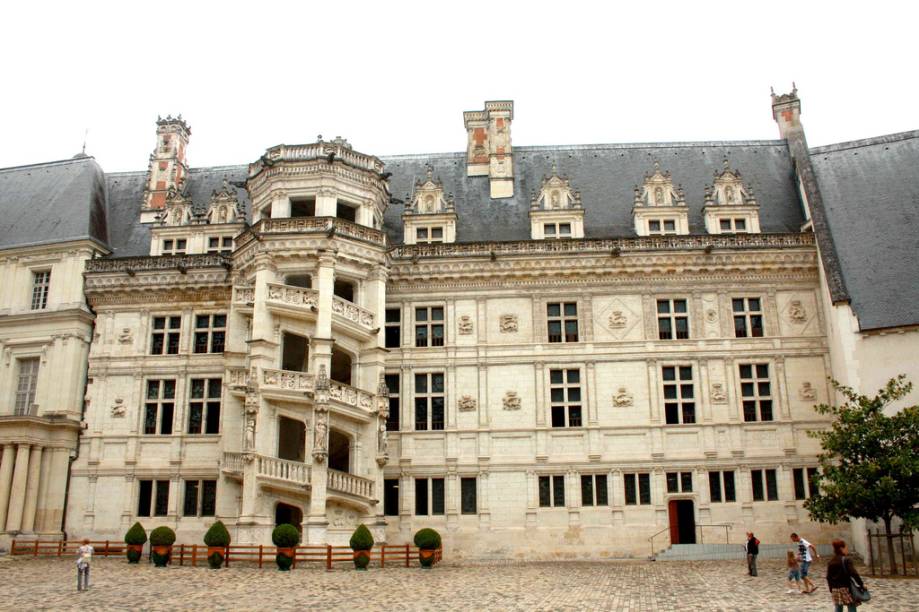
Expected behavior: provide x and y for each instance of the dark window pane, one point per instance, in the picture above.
(421, 314)
(772, 486)
(685, 372)
(217, 341)
(421, 413)
(556, 377)
(729, 494)
(468, 494)
(558, 395)
(682, 328)
(159, 322)
(765, 410)
(437, 496)
(587, 490)
(545, 499)
(437, 383)
(197, 388)
(673, 482)
(749, 411)
(391, 497)
(679, 305)
(669, 373)
(798, 474)
(175, 322)
(663, 306)
(144, 497)
(686, 482)
(746, 371)
(190, 507)
(762, 370)
(601, 490)
(630, 497)
(166, 418)
(421, 335)
(214, 388)
(689, 412)
(737, 305)
(421, 383)
(574, 376)
(220, 320)
(162, 498)
(644, 488)
(157, 347)
(437, 314)
(574, 394)
(169, 389)
(153, 389)
(393, 315)
(746, 389)
(392, 337)
(574, 416)
(554, 310)
(571, 309)
(437, 413)
(213, 418)
(672, 414)
(740, 327)
(714, 486)
(670, 392)
(150, 419)
(392, 421)
(558, 416)
(202, 321)
(812, 484)
(558, 491)
(686, 391)
(754, 304)
(763, 388)
(421, 496)
(757, 477)
(392, 384)
(555, 331)
(664, 331)
(173, 347)
(195, 417)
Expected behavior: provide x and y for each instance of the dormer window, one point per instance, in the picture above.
(661, 227)
(175, 246)
(427, 235)
(556, 211)
(659, 208)
(429, 215)
(730, 207)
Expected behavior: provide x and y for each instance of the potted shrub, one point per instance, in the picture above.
(217, 539)
(161, 541)
(428, 541)
(361, 543)
(135, 539)
(285, 538)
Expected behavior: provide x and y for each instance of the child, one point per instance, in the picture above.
(84, 556)
(794, 572)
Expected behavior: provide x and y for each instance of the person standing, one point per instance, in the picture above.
(808, 553)
(84, 558)
(752, 547)
(794, 573)
(840, 572)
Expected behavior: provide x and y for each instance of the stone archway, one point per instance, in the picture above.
(339, 451)
(286, 513)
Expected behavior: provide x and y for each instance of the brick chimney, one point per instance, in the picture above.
(168, 168)
(786, 110)
(488, 149)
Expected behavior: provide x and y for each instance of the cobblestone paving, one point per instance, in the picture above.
(623, 586)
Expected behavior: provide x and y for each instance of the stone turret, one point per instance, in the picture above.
(168, 169)
(488, 149)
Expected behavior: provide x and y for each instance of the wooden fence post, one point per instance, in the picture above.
(383, 556)
(226, 557)
(106, 548)
(328, 557)
(36, 549)
(260, 551)
(406, 555)
(294, 563)
(60, 547)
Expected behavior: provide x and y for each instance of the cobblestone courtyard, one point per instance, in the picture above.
(712, 585)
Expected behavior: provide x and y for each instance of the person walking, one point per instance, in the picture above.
(805, 549)
(840, 572)
(794, 573)
(752, 548)
(84, 558)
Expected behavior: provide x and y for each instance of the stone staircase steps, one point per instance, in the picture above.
(710, 552)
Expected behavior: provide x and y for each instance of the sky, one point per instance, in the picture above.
(395, 77)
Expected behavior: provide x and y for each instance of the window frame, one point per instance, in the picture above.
(24, 398)
(554, 490)
(673, 317)
(207, 403)
(171, 246)
(210, 332)
(429, 324)
(154, 487)
(803, 479)
(41, 288)
(428, 237)
(464, 494)
(637, 487)
(387, 487)
(566, 404)
(393, 421)
(166, 334)
(732, 223)
(562, 319)
(201, 491)
(432, 483)
(746, 315)
(390, 325)
(764, 484)
(684, 406)
(556, 227)
(752, 403)
(680, 480)
(428, 395)
(662, 229)
(721, 478)
(597, 492)
(224, 244)
(158, 403)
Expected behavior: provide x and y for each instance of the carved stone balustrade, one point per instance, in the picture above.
(132, 265)
(237, 379)
(290, 472)
(287, 379)
(352, 396)
(331, 226)
(353, 315)
(350, 484)
(298, 301)
(233, 464)
(243, 295)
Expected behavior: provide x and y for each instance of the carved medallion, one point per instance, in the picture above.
(464, 326)
(508, 324)
(618, 320)
(796, 312)
(125, 337)
(622, 398)
(511, 401)
(718, 394)
(466, 403)
(807, 391)
(118, 408)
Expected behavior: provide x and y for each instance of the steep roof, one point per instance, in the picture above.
(52, 202)
(870, 191)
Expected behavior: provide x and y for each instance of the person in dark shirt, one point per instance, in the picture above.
(840, 572)
(752, 547)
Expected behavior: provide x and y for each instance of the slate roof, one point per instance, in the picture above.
(870, 192)
(52, 202)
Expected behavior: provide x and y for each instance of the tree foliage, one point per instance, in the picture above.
(870, 461)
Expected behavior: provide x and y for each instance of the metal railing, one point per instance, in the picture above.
(698, 526)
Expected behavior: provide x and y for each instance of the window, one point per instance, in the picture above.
(679, 482)
(25, 386)
(771, 489)
(427, 235)
(800, 476)
(565, 394)
(174, 246)
(393, 328)
(557, 230)
(593, 490)
(468, 496)
(160, 405)
(756, 392)
(429, 401)
(672, 320)
(41, 282)
(661, 227)
(748, 317)
(429, 326)
(200, 498)
(391, 497)
(303, 207)
(429, 504)
(210, 333)
(165, 337)
(721, 486)
(220, 244)
(562, 318)
(392, 384)
(204, 406)
(346, 211)
(637, 489)
(738, 226)
(551, 491)
(679, 401)
(153, 498)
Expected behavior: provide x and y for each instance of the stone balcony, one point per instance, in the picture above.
(342, 484)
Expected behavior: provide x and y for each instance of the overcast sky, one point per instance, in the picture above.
(394, 77)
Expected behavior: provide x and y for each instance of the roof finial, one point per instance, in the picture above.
(85, 134)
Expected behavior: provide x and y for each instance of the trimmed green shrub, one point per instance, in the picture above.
(135, 536)
(134, 556)
(217, 535)
(162, 536)
(284, 562)
(361, 539)
(285, 536)
(427, 539)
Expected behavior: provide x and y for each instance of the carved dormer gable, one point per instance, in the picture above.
(659, 208)
(224, 206)
(728, 189)
(658, 190)
(430, 215)
(428, 197)
(555, 193)
(178, 209)
(730, 207)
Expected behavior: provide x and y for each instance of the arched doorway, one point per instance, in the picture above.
(285, 513)
(339, 451)
(291, 439)
(295, 352)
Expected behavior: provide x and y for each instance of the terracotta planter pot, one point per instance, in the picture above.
(161, 555)
(426, 558)
(361, 559)
(216, 550)
(288, 554)
(134, 550)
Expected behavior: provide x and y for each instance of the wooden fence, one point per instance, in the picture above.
(893, 556)
(393, 555)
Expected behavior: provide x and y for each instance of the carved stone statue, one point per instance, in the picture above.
(729, 194)
(658, 196)
(555, 200)
(320, 437)
(508, 324)
(250, 431)
(466, 403)
(511, 401)
(796, 312)
(718, 394)
(464, 325)
(808, 392)
(118, 408)
(622, 398)
(382, 442)
(618, 320)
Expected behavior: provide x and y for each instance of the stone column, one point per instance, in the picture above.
(280, 205)
(32, 487)
(18, 491)
(6, 480)
(53, 503)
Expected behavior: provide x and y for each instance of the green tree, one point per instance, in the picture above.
(870, 461)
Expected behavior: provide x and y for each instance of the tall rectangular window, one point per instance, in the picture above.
(672, 320)
(468, 496)
(153, 498)
(204, 406)
(219, 244)
(429, 326)
(160, 405)
(429, 401)
(175, 246)
(393, 328)
(41, 283)
(429, 496)
(210, 333)
(164, 339)
(722, 492)
(392, 384)
(637, 489)
(594, 491)
(556, 230)
(679, 396)
(562, 319)
(805, 481)
(551, 491)
(200, 498)
(748, 317)
(391, 497)
(679, 482)
(756, 392)
(429, 235)
(565, 397)
(765, 485)
(26, 383)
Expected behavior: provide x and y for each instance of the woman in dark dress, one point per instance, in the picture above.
(839, 573)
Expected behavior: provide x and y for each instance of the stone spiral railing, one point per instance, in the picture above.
(354, 313)
(297, 296)
(295, 472)
(351, 484)
(287, 379)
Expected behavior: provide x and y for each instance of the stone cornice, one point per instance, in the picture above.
(133, 265)
(158, 291)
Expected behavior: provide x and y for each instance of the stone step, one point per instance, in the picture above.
(706, 552)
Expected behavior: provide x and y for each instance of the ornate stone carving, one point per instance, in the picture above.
(555, 193)
(618, 320)
(508, 324)
(429, 197)
(796, 312)
(807, 391)
(118, 408)
(464, 325)
(711, 315)
(511, 401)
(718, 394)
(728, 189)
(251, 409)
(321, 436)
(658, 190)
(125, 337)
(622, 398)
(224, 206)
(466, 403)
